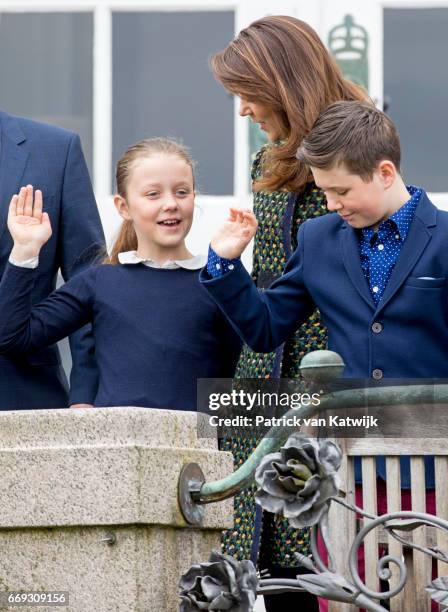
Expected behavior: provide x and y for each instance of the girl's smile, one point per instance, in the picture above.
(170, 222)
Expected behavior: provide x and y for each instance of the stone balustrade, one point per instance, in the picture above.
(89, 505)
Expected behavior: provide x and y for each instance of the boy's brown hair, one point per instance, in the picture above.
(355, 134)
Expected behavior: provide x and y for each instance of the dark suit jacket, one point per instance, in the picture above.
(411, 340)
(50, 159)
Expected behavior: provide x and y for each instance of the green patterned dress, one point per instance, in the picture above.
(279, 215)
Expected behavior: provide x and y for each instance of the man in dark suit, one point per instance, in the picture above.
(50, 158)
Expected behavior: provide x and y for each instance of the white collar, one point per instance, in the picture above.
(194, 263)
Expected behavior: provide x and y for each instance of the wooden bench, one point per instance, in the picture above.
(343, 523)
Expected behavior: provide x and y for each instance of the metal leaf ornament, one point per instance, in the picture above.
(222, 584)
(438, 589)
(298, 481)
(337, 588)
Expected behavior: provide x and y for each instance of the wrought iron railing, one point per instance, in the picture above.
(287, 461)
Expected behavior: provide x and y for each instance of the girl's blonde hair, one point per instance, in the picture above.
(281, 62)
(127, 238)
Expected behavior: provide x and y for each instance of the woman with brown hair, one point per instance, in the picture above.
(284, 77)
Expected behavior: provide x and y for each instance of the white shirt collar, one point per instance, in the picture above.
(194, 263)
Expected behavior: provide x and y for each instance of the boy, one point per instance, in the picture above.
(376, 268)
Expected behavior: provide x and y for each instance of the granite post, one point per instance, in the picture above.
(89, 506)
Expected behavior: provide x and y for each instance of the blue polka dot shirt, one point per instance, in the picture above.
(379, 250)
(217, 266)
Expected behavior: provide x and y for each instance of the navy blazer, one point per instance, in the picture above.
(411, 340)
(404, 336)
(49, 158)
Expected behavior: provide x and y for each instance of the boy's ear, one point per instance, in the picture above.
(387, 172)
(122, 207)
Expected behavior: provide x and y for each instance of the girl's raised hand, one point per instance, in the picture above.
(233, 237)
(30, 228)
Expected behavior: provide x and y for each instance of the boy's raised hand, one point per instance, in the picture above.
(233, 237)
(30, 228)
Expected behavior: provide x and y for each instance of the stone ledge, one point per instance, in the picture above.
(70, 478)
(101, 467)
(90, 426)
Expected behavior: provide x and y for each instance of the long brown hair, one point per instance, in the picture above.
(127, 238)
(281, 62)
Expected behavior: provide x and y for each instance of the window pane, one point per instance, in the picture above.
(416, 88)
(46, 69)
(162, 86)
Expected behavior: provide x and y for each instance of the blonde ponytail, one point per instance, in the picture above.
(125, 241)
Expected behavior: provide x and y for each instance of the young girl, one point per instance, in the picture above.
(156, 330)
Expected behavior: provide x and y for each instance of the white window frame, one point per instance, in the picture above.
(325, 14)
(440, 198)
(212, 209)
(321, 14)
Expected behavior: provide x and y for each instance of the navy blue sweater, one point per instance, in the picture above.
(156, 331)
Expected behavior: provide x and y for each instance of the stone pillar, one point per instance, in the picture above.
(89, 505)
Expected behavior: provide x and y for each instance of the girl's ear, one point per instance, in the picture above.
(122, 207)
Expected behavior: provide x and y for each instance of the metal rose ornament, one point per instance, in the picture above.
(298, 481)
(221, 584)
